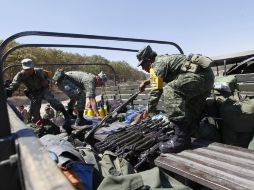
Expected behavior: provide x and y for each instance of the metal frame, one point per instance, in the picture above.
(239, 65)
(84, 36)
(5, 133)
(7, 53)
(4, 119)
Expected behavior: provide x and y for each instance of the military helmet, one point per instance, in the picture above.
(59, 74)
(103, 76)
(144, 54)
(27, 64)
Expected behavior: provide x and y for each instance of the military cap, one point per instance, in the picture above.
(103, 76)
(27, 64)
(58, 75)
(144, 53)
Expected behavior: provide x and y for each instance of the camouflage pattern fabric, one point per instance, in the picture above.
(48, 128)
(32, 83)
(77, 86)
(37, 90)
(36, 99)
(185, 92)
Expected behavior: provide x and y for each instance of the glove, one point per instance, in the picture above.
(8, 92)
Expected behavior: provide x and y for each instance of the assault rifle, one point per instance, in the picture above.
(89, 137)
(154, 150)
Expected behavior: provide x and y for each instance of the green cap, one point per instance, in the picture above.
(27, 64)
(144, 53)
(103, 76)
(58, 75)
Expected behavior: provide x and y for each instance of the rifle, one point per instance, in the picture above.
(153, 151)
(89, 136)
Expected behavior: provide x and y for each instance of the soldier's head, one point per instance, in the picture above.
(58, 76)
(101, 78)
(28, 66)
(146, 57)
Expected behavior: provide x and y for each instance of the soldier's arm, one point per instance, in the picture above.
(143, 85)
(17, 80)
(154, 98)
(90, 93)
(45, 79)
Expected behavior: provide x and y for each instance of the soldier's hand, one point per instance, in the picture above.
(8, 92)
(142, 87)
(145, 114)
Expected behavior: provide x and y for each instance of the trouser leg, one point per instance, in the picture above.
(34, 111)
(81, 120)
(58, 106)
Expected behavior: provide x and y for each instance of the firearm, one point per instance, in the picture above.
(122, 134)
(89, 137)
(154, 150)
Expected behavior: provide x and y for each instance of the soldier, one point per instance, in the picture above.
(189, 81)
(78, 86)
(49, 113)
(36, 81)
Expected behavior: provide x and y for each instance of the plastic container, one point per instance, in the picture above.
(90, 112)
(101, 112)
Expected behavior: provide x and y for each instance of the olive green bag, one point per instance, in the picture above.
(238, 121)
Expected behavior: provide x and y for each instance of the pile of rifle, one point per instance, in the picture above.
(140, 140)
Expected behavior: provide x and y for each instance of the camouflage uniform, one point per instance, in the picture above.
(189, 81)
(36, 91)
(185, 92)
(78, 86)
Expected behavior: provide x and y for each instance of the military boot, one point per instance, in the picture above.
(81, 120)
(179, 141)
(70, 112)
(67, 121)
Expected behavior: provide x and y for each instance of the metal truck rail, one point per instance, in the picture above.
(24, 163)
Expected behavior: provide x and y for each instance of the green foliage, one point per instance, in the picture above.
(48, 56)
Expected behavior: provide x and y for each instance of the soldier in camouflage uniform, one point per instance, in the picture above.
(78, 86)
(189, 81)
(36, 81)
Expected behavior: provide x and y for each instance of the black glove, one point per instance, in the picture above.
(27, 93)
(8, 92)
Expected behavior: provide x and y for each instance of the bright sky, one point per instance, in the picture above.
(214, 27)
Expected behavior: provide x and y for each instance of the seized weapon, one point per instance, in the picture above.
(89, 137)
(121, 133)
(134, 133)
(149, 140)
(153, 151)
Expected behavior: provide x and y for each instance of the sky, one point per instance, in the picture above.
(212, 28)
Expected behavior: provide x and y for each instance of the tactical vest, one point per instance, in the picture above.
(156, 82)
